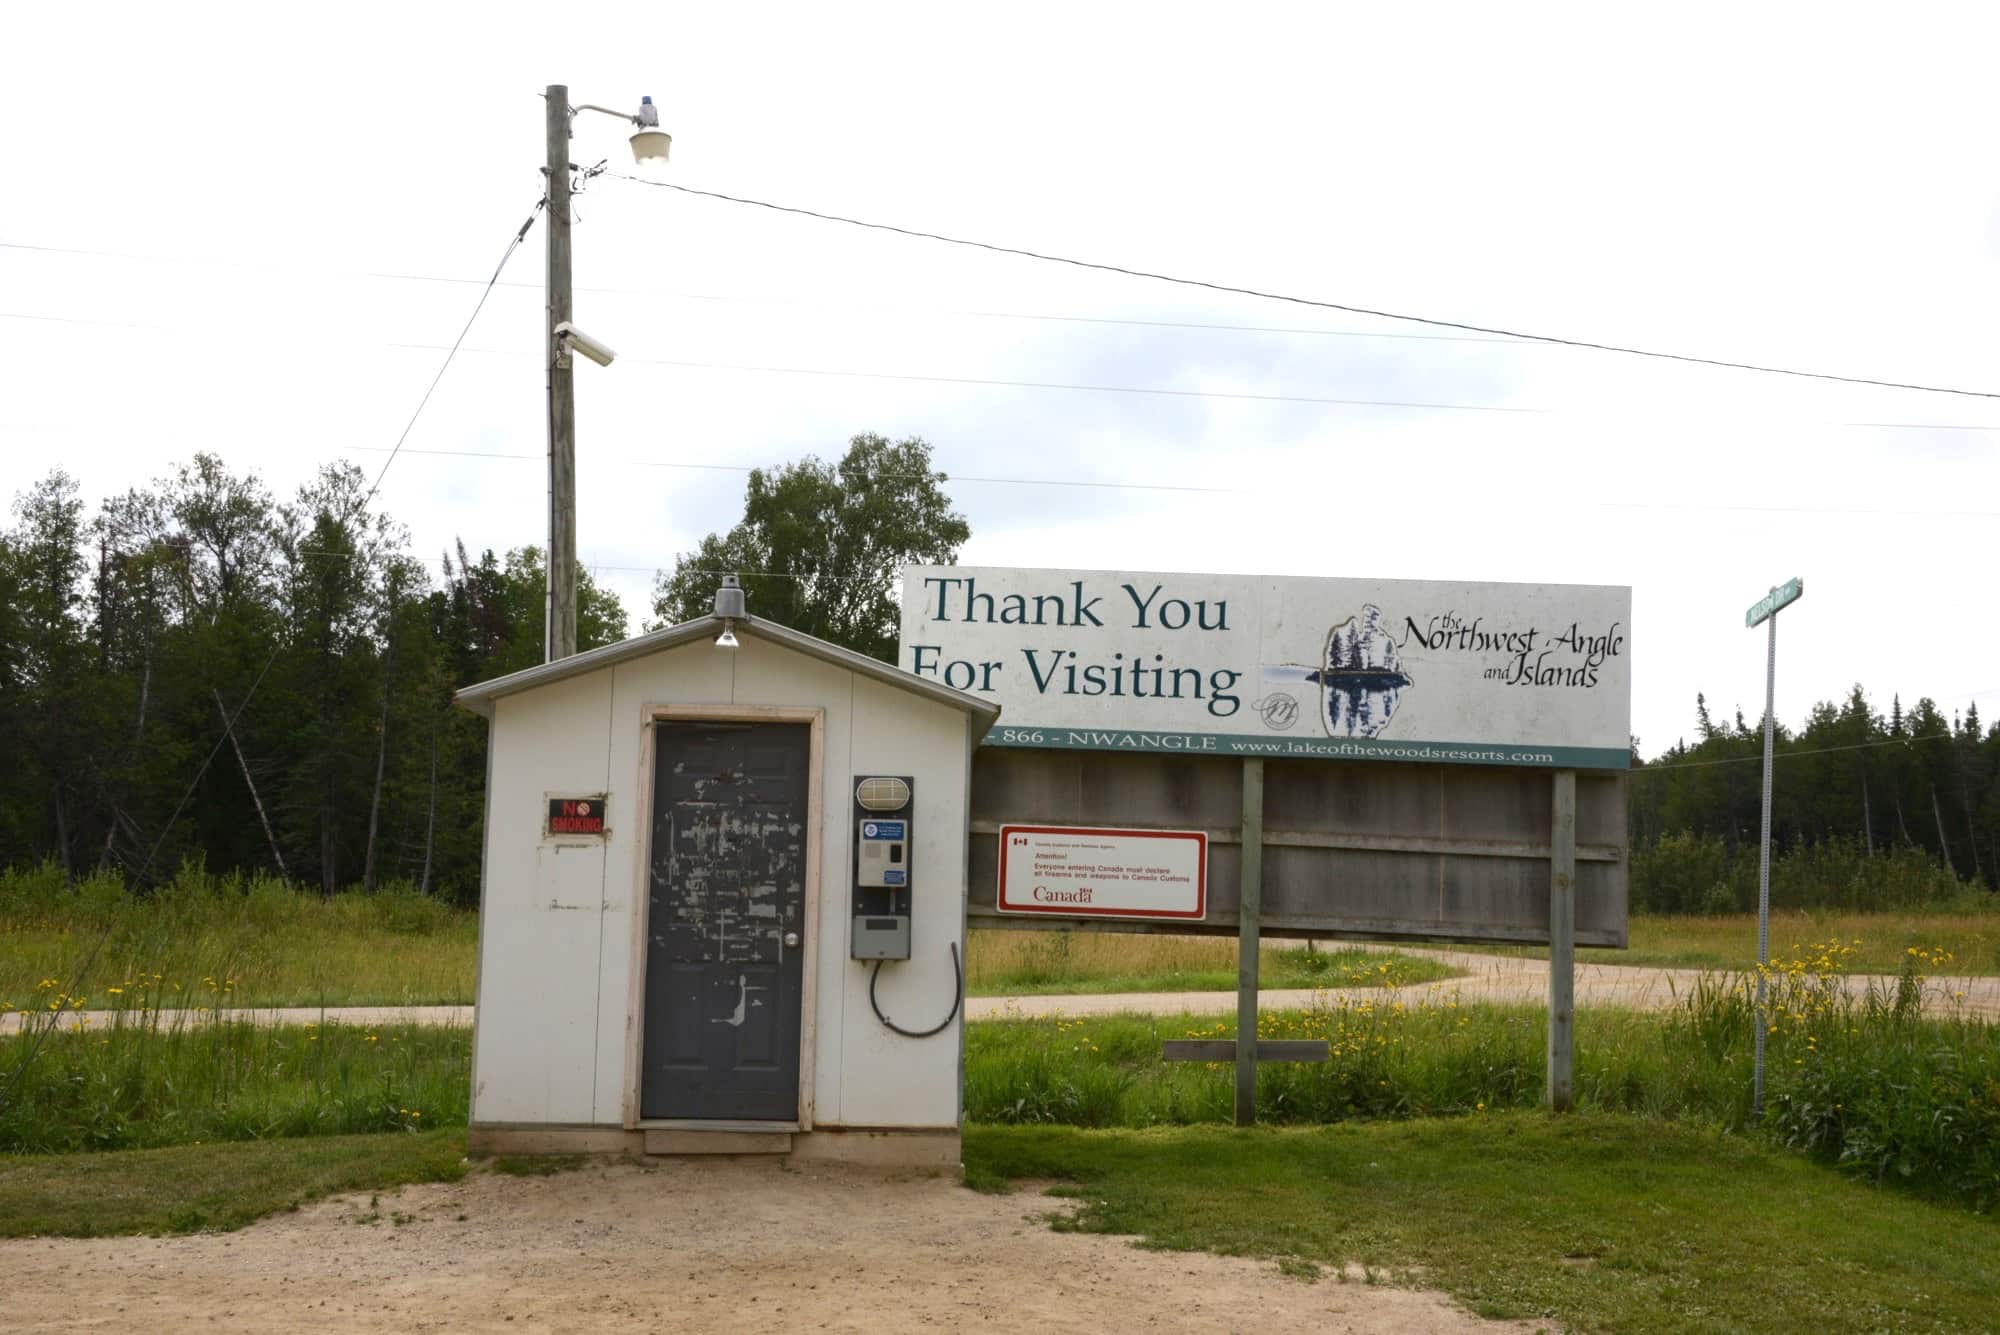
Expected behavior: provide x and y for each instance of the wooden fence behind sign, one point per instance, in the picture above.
(1351, 848)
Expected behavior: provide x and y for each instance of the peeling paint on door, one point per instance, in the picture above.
(727, 883)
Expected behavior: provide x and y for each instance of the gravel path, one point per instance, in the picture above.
(1495, 978)
(1490, 978)
(709, 1245)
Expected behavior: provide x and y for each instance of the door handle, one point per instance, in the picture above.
(791, 940)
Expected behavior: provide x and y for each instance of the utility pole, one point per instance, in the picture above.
(559, 610)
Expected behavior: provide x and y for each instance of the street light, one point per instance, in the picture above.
(649, 144)
(729, 606)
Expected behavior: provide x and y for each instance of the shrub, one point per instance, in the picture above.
(1691, 873)
(1861, 1081)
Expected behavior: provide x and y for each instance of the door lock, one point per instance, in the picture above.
(791, 940)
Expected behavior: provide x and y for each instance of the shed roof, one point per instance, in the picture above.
(479, 698)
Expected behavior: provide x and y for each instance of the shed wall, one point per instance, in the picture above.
(559, 936)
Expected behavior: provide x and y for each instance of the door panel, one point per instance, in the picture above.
(726, 885)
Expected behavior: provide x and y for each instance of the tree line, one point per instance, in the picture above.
(1908, 778)
(203, 670)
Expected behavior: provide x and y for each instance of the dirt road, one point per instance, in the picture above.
(709, 1245)
(1488, 978)
(1496, 978)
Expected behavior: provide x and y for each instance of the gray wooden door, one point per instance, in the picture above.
(724, 958)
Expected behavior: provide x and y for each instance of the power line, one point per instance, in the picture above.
(520, 234)
(1474, 334)
(951, 476)
(1799, 510)
(1461, 325)
(1096, 389)
(73, 319)
(1787, 755)
(780, 301)
(750, 468)
(1064, 386)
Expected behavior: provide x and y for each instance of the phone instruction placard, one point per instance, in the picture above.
(1081, 871)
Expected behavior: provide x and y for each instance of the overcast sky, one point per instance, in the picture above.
(284, 191)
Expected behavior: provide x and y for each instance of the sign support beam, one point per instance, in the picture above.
(1562, 942)
(1249, 916)
(1766, 609)
(1764, 871)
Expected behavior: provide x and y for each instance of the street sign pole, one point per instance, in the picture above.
(1766, 609)
(1764, 871)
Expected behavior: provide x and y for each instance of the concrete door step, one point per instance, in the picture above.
(660, 1141)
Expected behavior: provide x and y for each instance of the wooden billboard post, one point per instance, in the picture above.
(1248, 923)
(1562, 942)
(1246, 1051)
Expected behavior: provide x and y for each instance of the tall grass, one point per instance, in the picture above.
(1967, 931)
(1692, 873)
(1001, 962)
(246, 940)
(146, 1079)
(1865, 1082)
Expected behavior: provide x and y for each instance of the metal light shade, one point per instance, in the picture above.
(726, 640)
(651, 145)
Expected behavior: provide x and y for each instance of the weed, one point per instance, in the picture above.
(977, 1178)
(538, 1165)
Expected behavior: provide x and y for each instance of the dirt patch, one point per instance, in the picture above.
(737, 1245)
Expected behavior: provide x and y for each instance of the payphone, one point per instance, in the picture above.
(881, 896)
(884, 838)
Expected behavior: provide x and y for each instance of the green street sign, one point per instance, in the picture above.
(1783, 596)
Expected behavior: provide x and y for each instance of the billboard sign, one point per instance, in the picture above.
(1282, 666)
(1088, 872)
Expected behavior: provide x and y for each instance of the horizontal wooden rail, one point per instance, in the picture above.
(1389, 843)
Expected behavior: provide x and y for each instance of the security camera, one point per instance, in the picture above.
(570, 336)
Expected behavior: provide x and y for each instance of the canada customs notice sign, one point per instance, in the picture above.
(1079, 871)
(1412, 670)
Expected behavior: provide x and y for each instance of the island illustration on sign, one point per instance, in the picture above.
(1361, 676)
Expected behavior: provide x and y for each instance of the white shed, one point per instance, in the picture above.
(689, 886)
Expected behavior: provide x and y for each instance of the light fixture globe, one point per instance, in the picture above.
(729, 607)
(651, 145)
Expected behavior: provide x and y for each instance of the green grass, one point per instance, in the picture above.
(184, 1188)
(1603, 1222)
(1863, 1084)
(999, 962)
(1875, 942)
(536, 1165)
(131, 1085)
(224, 940)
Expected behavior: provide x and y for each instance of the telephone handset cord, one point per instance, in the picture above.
(957, 995)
